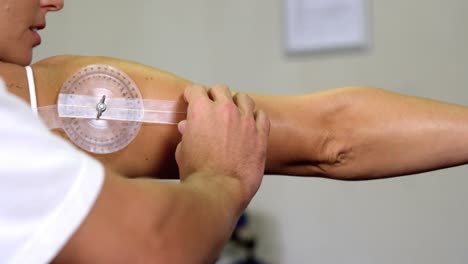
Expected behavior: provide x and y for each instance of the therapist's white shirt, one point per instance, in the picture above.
(47, 186)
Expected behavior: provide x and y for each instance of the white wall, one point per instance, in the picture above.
(419, 48)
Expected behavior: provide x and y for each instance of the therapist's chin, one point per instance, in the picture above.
(25, 62)
(22, 59)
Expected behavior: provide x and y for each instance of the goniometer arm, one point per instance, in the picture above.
(349, 133)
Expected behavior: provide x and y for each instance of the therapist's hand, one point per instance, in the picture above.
(223, 139)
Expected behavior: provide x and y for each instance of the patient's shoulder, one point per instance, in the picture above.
(7, 69)
(15, 80)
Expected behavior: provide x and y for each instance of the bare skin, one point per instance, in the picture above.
(160, 222)
(145, 220)
(353, 133)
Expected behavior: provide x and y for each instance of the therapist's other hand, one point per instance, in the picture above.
(224, 139)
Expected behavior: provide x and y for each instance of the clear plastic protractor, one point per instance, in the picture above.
(101, 136)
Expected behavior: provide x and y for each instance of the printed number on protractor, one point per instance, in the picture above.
(94, 134)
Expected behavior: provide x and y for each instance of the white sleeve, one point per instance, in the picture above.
(47, 186)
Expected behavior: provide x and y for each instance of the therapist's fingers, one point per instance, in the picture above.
(181, 126)
(245, 104)
(220, 93)
(195, 92)
(263, 122)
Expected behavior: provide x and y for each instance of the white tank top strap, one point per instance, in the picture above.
(32, 89)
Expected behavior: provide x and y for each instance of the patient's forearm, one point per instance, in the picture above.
(369, 133)
(349, 133)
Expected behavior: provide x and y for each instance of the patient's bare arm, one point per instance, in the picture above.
(368, 133)
(349, 133)
(152, 151)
